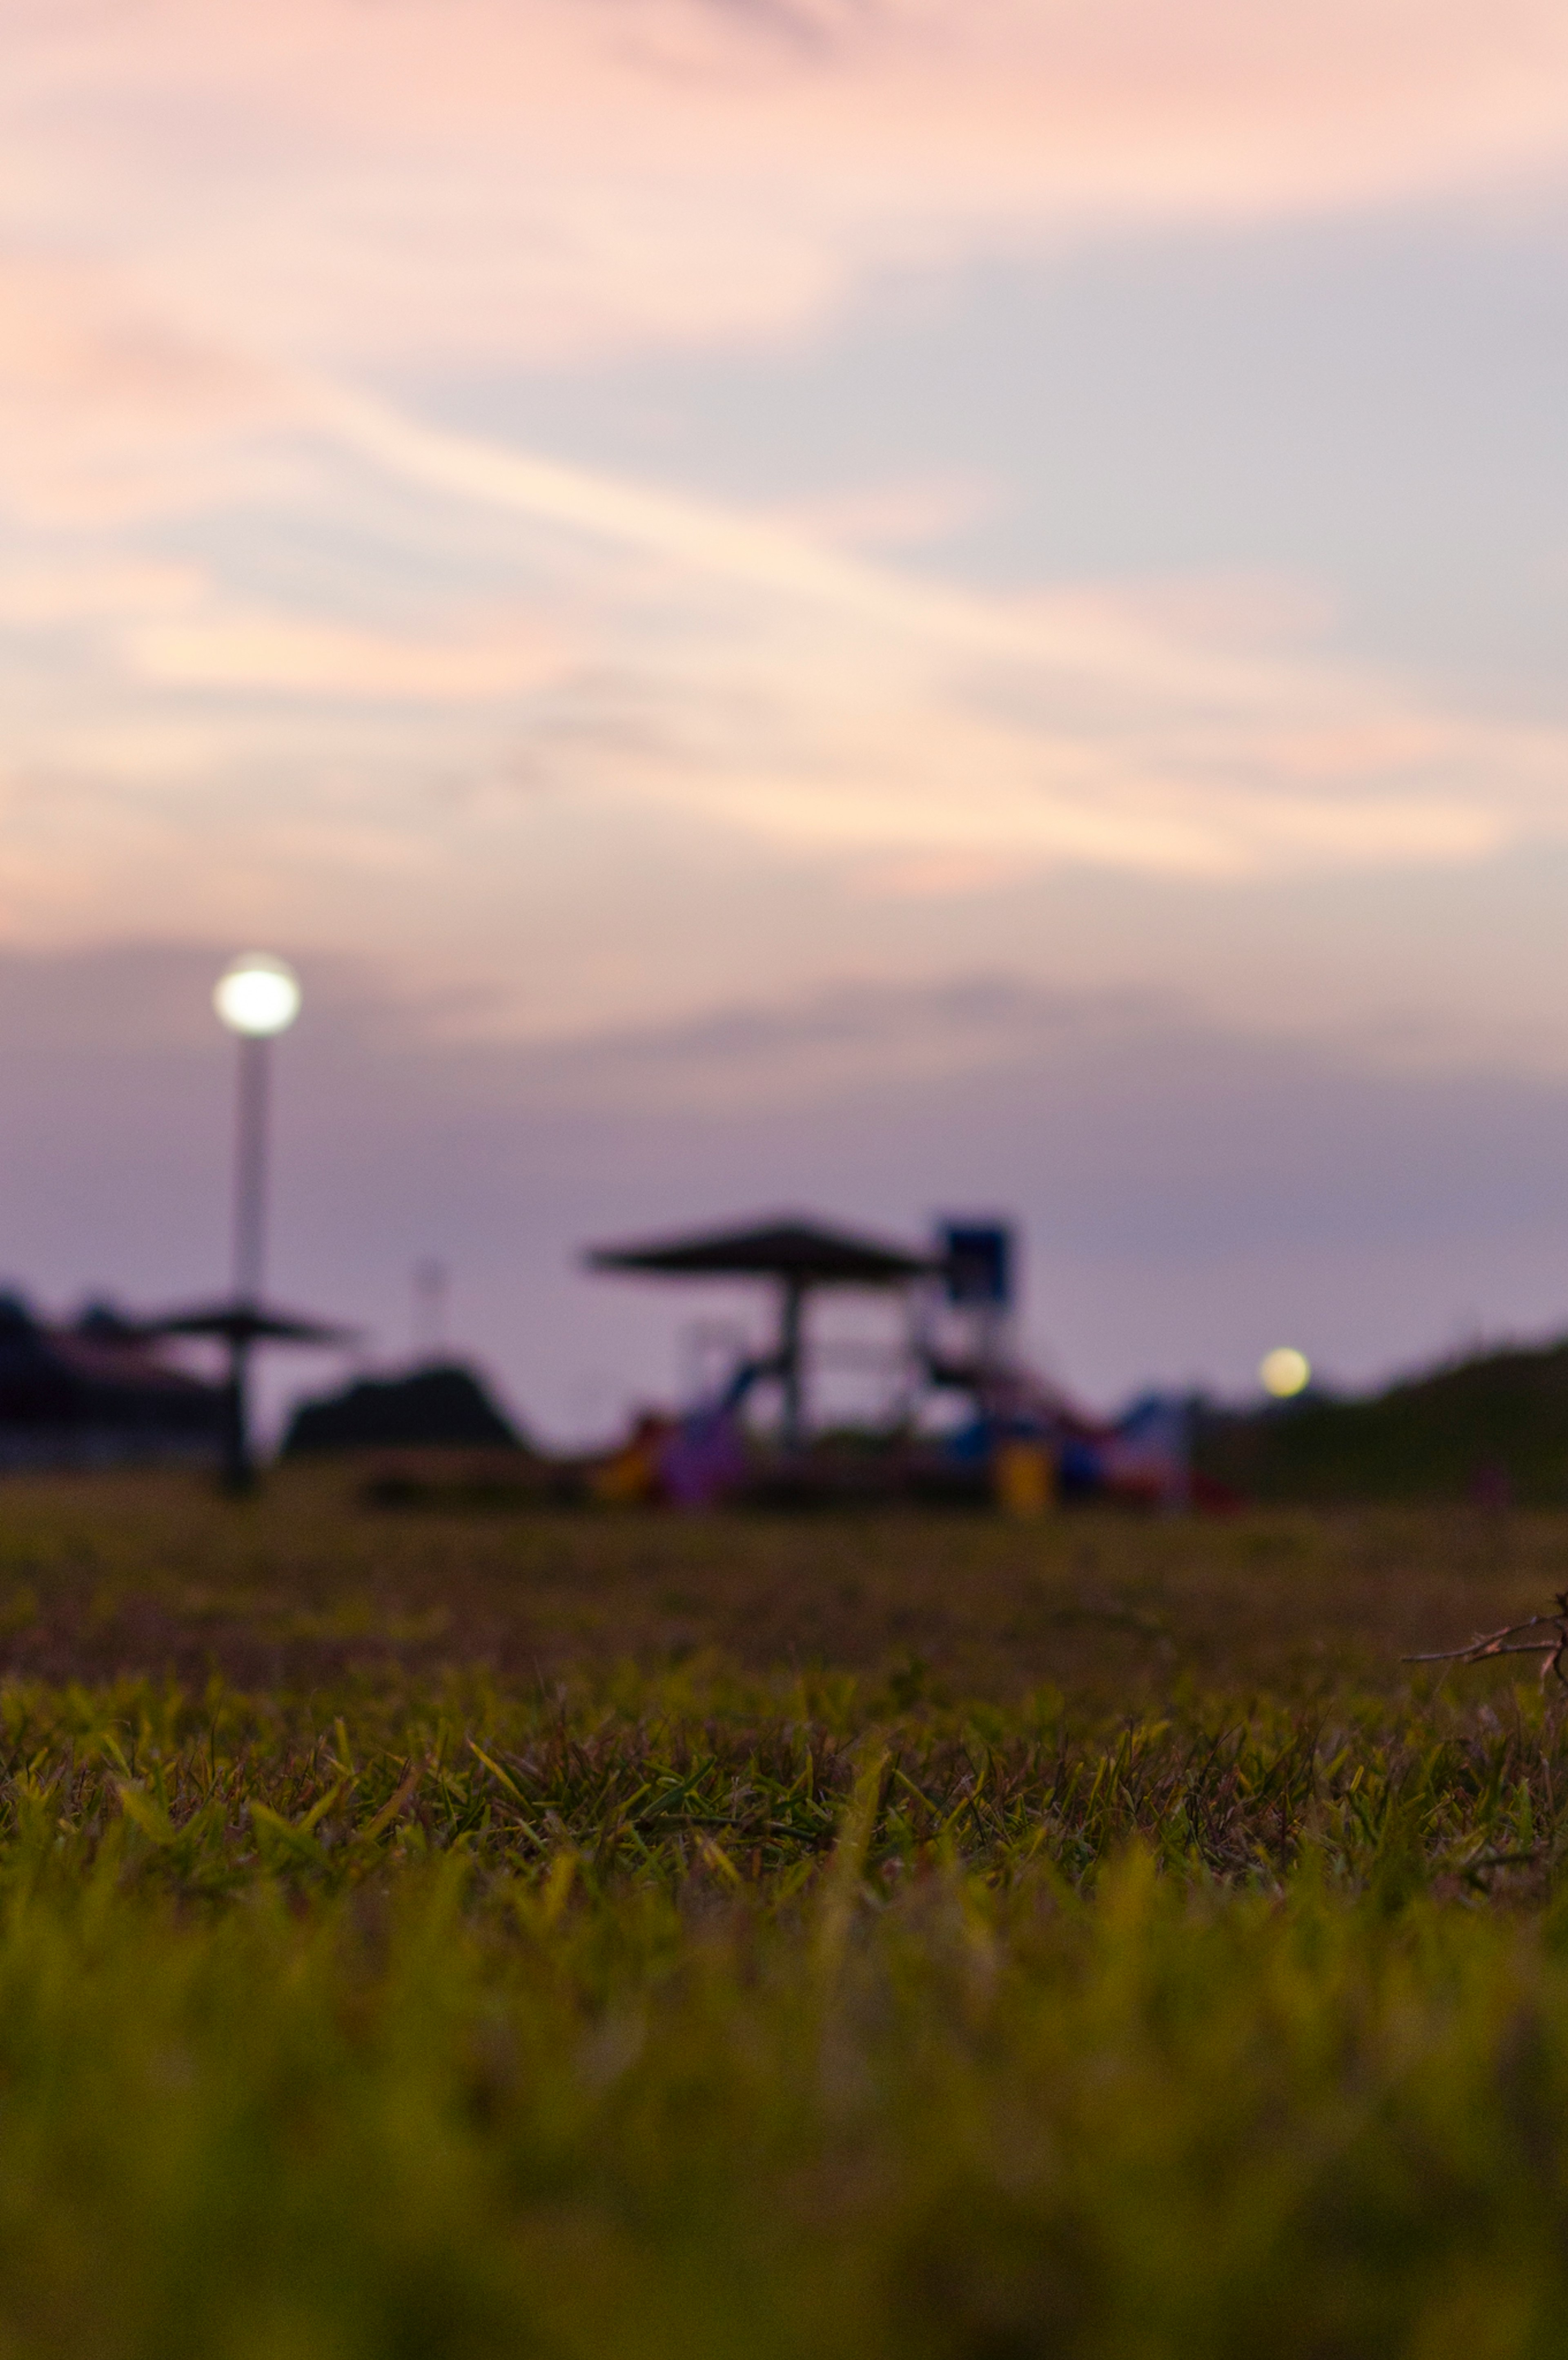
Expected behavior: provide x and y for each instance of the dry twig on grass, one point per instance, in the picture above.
(1500, 1643)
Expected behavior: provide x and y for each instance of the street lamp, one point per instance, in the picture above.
(257, 997)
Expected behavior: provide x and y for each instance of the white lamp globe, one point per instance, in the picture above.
(258, 994)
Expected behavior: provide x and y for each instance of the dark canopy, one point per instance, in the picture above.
(801, 1253)
(242, 1324)
(248, 1322)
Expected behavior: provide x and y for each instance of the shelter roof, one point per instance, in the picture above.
(800, 1252)
(239, 1322)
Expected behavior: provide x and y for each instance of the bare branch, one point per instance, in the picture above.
(1477, 1653)
(1489, 1643)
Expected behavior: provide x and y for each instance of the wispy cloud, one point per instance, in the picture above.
(112, 405)
(824, 700)
(279, 638)
(722, 667)
(537, 177)
(296, 656)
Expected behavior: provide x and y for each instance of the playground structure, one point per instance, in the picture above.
(801, 1258)
(1024, 1442)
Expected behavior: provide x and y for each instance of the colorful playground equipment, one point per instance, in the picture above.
(1024, 1443)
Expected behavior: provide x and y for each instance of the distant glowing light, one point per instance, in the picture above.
(1284, 1371)
(258, 994)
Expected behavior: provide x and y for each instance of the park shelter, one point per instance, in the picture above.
(799, 1258)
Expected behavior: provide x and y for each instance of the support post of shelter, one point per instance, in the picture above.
(798, 1256)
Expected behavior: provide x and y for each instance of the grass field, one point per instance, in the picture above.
(600, 1935)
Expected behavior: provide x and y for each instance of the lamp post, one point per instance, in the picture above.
(256, 997)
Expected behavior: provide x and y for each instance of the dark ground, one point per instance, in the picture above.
(156, 1575)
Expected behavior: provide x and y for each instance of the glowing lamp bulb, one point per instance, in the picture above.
(258, 994)
(1284, 1371)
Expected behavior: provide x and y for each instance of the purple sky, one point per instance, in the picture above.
(1186, 1192)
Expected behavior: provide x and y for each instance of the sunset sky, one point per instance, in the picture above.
(871, 606)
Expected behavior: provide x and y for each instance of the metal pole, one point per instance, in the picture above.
(250, 1168)
(239, 1466)
(430, 1280)
(250, 1242)
(790, 1369)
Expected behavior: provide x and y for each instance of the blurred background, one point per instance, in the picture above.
(871, 608)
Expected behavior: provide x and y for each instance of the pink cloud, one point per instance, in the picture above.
(294, 655)
(701, 670)
(211, 220)
(543, 176)
(112, 405)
